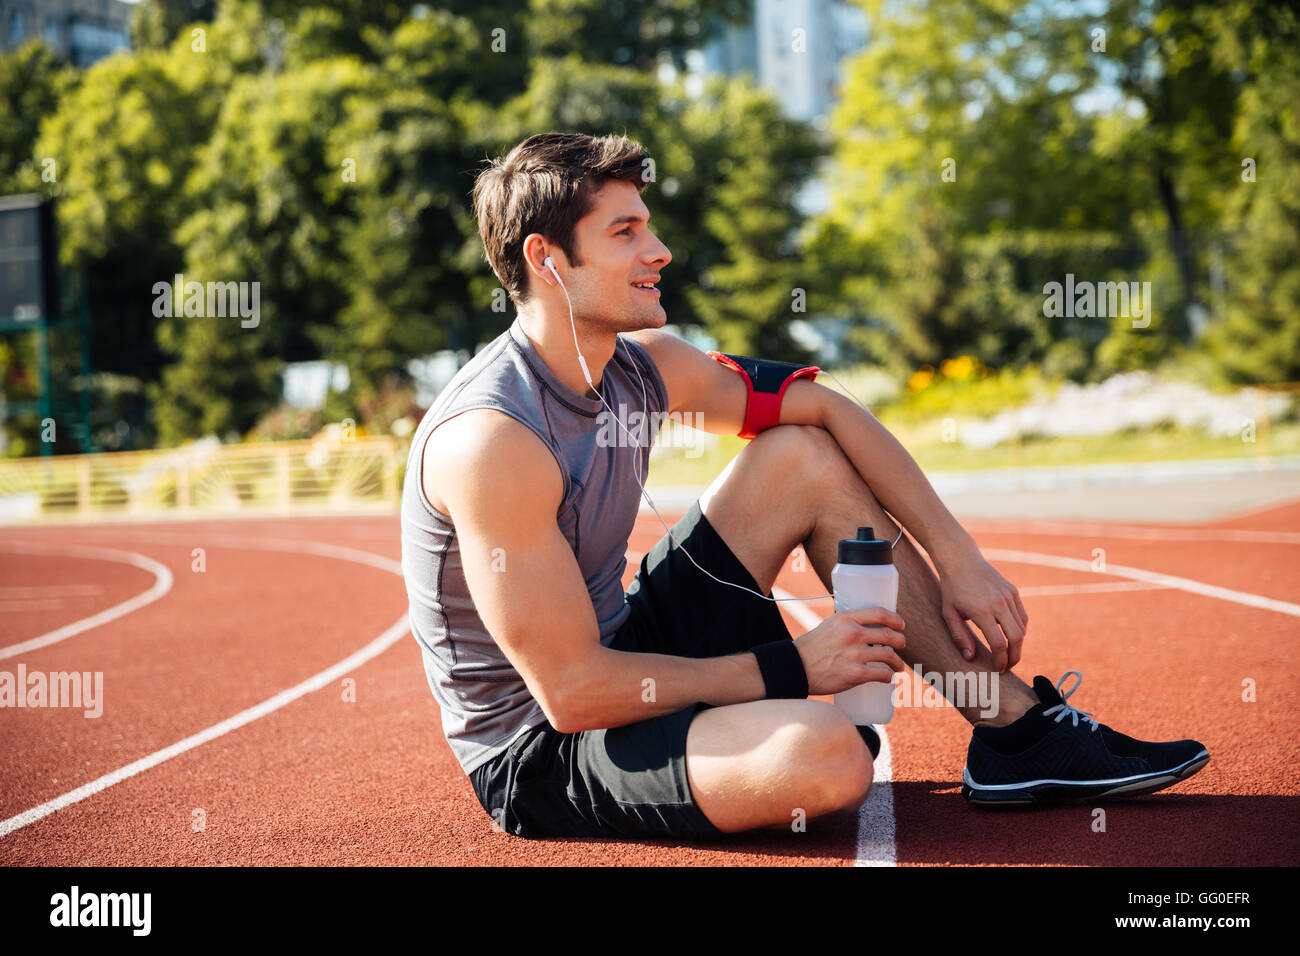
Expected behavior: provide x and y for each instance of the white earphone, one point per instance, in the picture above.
(581, 360)
(637, 443)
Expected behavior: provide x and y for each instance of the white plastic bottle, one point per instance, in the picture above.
(865, 577)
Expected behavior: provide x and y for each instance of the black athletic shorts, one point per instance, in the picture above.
(630, 781)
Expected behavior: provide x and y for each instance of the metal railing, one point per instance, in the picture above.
(323, 475)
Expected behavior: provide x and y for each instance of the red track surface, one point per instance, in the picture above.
(325, 781)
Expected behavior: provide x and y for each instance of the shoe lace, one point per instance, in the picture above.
(1065, 709)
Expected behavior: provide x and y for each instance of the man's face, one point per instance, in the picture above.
(618, 251)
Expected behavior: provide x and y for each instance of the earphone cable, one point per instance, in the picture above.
(637, 444)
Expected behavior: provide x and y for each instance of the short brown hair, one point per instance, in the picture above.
(545, 185)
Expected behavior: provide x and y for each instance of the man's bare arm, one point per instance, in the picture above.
(972, 588)
(696, 383)
(502, 486)
(893, 475)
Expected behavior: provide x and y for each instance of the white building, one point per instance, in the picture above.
(795, 49)
(80, 31)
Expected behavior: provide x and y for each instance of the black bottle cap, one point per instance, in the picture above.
(866, 548)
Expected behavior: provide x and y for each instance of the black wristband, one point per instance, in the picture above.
(782, 669)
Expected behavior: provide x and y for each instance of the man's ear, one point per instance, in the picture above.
(535, 251)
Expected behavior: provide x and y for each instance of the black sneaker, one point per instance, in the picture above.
(872, 739)
(1042, 758)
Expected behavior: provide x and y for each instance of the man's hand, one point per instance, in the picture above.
(836, 655)
(973, 589)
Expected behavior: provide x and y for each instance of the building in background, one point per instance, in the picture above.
(797, 51)
(80, 31)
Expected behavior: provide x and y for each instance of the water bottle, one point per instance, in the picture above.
(865, 577)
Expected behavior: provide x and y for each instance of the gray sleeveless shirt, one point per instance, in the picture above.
(484, 702)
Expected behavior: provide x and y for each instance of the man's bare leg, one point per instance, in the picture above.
(769, 763)
(929, 641)
(747, 767)
(744, 508)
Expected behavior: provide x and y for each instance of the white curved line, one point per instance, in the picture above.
(380, 644)
(377, 646)
(1151, 577)
(161, 585)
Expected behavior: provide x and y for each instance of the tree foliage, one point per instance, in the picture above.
(326, 151)
(983, 150)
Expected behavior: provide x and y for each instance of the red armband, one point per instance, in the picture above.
(765, 385)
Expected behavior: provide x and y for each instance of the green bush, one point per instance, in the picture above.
(934, 395)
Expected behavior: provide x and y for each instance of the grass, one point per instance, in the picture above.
(672, 466)
(924, 443)
(1130, 446)
(964, 389)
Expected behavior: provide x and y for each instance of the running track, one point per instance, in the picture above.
(225, 737)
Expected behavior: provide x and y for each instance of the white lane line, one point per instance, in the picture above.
(353, 661)
(876, 838)
(1134, 532)
(380, 644)
(1150, 577)
(877, 833)
(161, 585)
(1049, 590)
(34, 604)
(50, 590)
(290, 545)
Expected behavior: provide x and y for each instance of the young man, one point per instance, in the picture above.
(680, 709)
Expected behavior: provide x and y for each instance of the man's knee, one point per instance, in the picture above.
(810, 461)
(854, 768)
(792, 442)
(756, 764)
(805, 454)
(835, 758)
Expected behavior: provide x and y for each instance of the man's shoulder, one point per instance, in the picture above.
(484, 436)
(661, 344)
(672, 358)
(484, 451)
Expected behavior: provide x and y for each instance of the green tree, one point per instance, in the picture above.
(263, 213)
(753, 280)
(157, 23)
(1259, 337)
(32, 82)
(1160, 56)
(964, 127)
(121, 143)
(407, 144)
(327, 152)
(634, 33)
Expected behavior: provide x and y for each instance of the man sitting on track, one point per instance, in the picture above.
(680, 709)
